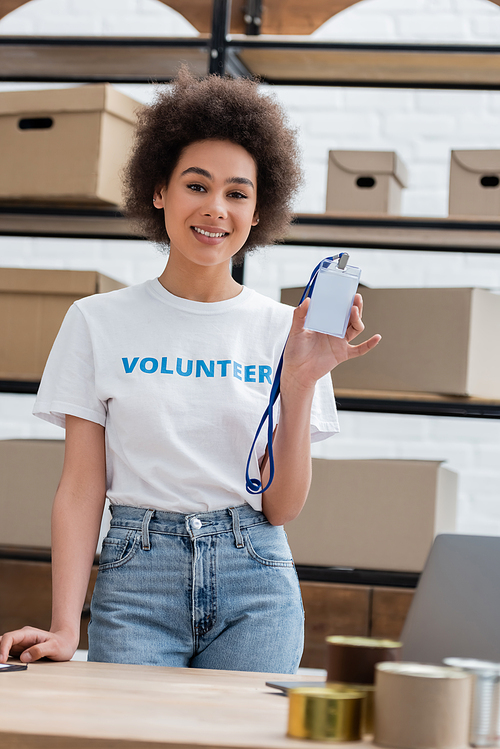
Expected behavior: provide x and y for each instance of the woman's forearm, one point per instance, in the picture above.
(75, 532)
(76, 520)
(286, 496)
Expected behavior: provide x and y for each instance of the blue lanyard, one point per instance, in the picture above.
(254, 486)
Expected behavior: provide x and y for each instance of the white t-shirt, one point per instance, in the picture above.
(180, 386)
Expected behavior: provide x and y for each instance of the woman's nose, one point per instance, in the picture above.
(214, 206)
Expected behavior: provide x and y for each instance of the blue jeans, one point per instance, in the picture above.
(212, 590)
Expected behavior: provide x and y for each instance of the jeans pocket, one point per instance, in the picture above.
(118, 548)
(268, 545)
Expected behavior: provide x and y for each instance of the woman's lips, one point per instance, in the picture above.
(205, 239)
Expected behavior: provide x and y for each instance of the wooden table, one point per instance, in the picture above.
(77, 705)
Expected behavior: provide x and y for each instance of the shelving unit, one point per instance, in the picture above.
(277, 60)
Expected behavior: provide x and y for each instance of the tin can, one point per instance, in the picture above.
(420, 705)
(485, 713)
(324, 714)
(368, 706)
(352, 660)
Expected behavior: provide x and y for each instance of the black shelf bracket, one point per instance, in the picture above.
(253, 17)
(220, 30)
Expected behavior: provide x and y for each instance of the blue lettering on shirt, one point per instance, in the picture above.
(153, 365)
(185, 368)
(130, 367)
(164, 369)
(188, 370)
(250, 373)
(223, 366)
(265, 373)
(200, 364)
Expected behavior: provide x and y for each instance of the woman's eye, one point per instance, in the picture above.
(237, 194)
(196, 187)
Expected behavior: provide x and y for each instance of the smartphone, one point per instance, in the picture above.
(13, 667)
(284, 686)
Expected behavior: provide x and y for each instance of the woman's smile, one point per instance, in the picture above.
(207, 234)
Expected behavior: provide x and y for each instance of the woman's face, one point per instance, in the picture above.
(210, 202)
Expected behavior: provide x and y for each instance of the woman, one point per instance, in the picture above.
(161, 386)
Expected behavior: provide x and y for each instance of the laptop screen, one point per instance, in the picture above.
(456, 607)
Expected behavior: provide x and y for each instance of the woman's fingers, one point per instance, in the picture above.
(31, 644)
(358, 302)
(299, 315)
(356, 325)
(16, 641)
(363, 348)
(48, 649)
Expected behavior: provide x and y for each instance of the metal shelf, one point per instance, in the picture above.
(394, 403)
(317, 230)
(417, 404)
(276, 60)
(99, 59)
(19, 387)
(348, 576)
(396, 232)
(303, 62)
(64, 221)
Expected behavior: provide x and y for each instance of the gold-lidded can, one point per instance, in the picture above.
(368, 706)
(352, 660)
(325, 714)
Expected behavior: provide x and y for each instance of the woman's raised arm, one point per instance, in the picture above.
(308, 356)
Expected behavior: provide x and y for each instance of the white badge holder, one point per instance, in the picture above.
(332, 297)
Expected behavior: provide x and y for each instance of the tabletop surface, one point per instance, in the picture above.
(74, 705)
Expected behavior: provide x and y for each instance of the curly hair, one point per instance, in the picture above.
(194, 110)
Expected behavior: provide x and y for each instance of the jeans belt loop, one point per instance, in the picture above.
(236, 527)
(145, 529)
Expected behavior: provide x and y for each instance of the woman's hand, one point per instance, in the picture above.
(31, 644)
(310, 355)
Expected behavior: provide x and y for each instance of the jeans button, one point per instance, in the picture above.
(196, 524)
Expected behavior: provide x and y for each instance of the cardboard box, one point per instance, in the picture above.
(474, 183)
(365, 182)
(32, 307)
(30, 471)
(65, 145)
(433, 341)
(374, 514)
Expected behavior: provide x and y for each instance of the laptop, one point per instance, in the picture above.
(456, 607)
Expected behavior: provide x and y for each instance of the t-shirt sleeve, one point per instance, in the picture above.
(324, 419)
(68, 383)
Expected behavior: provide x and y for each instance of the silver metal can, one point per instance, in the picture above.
(485, 713)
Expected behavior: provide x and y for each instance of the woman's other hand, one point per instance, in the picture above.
(31, 644)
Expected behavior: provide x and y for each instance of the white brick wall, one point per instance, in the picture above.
(423, 126)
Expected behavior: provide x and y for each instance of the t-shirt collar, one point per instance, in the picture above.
(188, 305)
